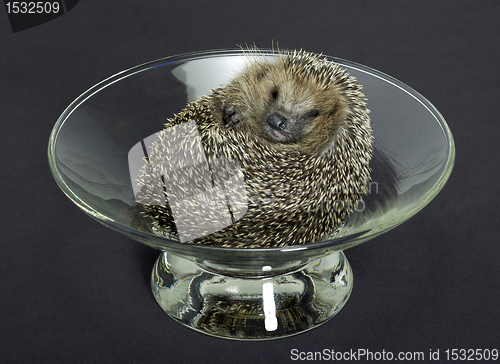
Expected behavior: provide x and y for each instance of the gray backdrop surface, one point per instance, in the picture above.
(73, 291)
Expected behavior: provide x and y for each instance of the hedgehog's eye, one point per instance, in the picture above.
(274, 93)
(312, 113)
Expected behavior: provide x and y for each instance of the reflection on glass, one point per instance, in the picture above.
(204, 194)
(270, 322)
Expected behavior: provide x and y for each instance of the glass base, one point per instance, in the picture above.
(252, 307)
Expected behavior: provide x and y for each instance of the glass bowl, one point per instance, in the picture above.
(245, 294)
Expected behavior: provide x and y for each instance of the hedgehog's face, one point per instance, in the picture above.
(287, 109)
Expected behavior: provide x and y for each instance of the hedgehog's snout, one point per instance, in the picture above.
(276, 121)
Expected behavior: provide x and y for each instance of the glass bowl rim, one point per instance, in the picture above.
(165, 244)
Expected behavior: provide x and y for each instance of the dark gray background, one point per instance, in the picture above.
(73, 291)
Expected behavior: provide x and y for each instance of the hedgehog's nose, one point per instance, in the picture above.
(276, 121)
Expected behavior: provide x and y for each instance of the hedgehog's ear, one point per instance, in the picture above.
(262, 74)
(334, 110)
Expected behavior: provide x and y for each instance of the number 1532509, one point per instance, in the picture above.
(32, 7)
(471, 354)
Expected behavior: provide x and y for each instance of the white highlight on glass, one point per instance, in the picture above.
(270, 321)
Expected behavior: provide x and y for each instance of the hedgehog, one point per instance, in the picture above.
(279, 156)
